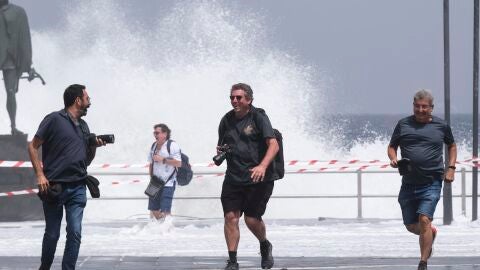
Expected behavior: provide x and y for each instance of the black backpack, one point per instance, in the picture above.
(278, 163)
(184, 173)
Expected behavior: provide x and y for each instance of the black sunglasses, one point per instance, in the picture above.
(236, 97)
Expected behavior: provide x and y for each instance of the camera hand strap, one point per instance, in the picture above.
(152, 152)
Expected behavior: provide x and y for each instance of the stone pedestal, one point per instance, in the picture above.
(17, 207)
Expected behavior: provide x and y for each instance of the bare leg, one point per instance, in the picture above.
(231, 230)
(413, 228)
(426, 237)
(157, 214)
(257, 227)
(424, 229)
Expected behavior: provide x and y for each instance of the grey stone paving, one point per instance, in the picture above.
(282, 263)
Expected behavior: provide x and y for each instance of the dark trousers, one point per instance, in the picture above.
(74, 199)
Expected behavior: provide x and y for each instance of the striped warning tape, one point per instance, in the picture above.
(473, 162)
(102, 183)
(335, 166)
(18, 192)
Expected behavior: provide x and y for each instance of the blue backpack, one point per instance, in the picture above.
(184, 173)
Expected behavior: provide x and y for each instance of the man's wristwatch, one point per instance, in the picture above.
(452, 167)
(164, 160)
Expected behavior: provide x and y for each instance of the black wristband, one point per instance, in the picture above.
(452, 167)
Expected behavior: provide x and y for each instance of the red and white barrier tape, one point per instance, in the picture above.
(102, 184)
(135, 181)
(352, 166)
(473, 162)
(18, 192)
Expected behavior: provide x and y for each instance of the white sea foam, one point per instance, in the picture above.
(334, 238)
(177, 71)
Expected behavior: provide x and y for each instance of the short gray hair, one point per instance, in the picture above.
(245, 87)
(423, 94)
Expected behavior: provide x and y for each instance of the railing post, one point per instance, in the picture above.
(464, 192)
(359, 194)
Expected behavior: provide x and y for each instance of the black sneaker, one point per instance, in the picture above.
(231, 265)
(267, 258)
(422, 265)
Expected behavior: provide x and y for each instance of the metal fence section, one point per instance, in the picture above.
(359, 196)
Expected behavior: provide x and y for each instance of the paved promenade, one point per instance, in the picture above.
(291, 263)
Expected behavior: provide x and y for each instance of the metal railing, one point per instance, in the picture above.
(359, 195)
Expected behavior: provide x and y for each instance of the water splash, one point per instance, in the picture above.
(177, 71)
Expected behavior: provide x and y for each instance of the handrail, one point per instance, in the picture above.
(359, 196)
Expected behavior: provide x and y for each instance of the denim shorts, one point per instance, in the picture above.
(162, 202)
(419, 199)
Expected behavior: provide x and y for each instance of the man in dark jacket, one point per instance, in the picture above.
(15, 53)
(248, 184)
(66, 153)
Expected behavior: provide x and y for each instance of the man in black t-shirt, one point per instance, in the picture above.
(66, 153)
(421, 138)
(248, 182)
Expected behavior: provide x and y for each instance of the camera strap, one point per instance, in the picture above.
(169, 142)
(152, 150)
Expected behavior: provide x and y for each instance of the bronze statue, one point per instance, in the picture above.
(15, 53)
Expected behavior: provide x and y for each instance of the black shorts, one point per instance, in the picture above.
(251, 200)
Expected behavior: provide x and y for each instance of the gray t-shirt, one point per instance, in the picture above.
(423, 145)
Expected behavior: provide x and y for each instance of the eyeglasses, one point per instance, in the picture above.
(232, 98)
(156, 132)
(423, 107)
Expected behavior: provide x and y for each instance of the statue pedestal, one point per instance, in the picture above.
(17, 207)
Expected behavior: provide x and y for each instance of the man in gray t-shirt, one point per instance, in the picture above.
(421, 138)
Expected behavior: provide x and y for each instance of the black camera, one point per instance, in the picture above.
(107, 138)
(220, 157)
(404, 166)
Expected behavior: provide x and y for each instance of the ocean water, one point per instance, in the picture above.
(351, 130)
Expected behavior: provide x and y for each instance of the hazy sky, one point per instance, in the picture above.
(376, 53)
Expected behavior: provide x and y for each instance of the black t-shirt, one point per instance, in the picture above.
(64, 150)
(423, 145)
(246, 138)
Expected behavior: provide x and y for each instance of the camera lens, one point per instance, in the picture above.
(108, 138)
(219, 158)
(92, 139)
